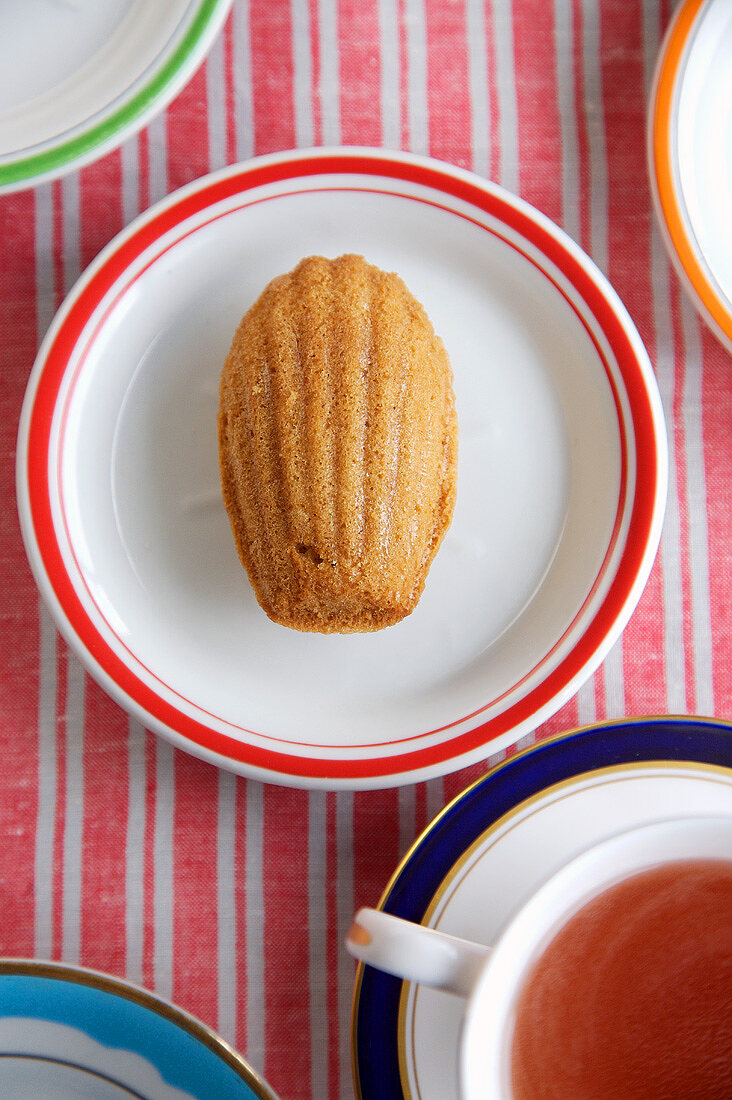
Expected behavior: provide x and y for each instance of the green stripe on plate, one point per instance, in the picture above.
(62, 156)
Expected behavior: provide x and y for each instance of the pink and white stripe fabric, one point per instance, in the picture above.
(232, 898)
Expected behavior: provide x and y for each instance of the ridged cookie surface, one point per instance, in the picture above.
(337, 446)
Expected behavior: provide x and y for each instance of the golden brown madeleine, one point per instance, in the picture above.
(337, 446)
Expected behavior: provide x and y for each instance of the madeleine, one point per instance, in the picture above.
(337, 446)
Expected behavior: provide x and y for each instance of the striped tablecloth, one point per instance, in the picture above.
(227, 896)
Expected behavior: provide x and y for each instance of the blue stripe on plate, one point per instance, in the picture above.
(679, 739)
(182, 1060)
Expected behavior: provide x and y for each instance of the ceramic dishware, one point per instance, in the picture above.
(495, 844)
(491, 978)
(72, 1033)
(690, 155)
(562, 475)
(78, 78)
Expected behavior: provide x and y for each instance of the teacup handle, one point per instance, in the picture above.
(416, 953)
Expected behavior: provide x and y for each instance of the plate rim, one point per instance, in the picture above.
(662, 156)
(99, 136)
(122, 988)
(551, 745)
(333, 771)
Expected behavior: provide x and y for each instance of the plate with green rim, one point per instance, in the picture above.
(78, 77)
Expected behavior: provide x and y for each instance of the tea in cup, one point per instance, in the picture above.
(612, 982)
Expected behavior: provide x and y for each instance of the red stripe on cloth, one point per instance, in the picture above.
(566, 718)
(100, 205)
(19, 636)
(333, 947)
(375, 843)
(448, 87)
(56, 886)
(229, 90)
(539, 131)
(458, 781)
(629, 267)
(286, 993)
(244, 1009)
(360, 72)
(104, 852)
(402, 32)
(143, 152)
(58, 243)
(187, 128)
(316, 99)
(272, 75)
(495, 151)
(717, 418)
(583, 145)
(195, 885)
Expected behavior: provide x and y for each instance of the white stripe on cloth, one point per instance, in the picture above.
(391, 123)
(696, 503)
(163, 883)
(330, 104)
(243, 94)
(216, 103)
(566, 102)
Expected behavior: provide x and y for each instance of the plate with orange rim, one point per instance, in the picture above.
(495, 844)
(690, 155)
(562, 475)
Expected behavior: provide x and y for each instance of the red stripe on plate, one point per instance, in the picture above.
(174, 213)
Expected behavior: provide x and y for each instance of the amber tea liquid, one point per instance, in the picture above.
(632, 999)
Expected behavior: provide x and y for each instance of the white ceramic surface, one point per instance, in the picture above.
(490, 978)
(43, 1058)
(690, 154)
(68, 1032)
(490, 882)
(562, 475)
(79, 76)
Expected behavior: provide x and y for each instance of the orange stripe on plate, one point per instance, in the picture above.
(668, 74)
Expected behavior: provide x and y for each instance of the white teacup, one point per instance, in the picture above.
(491, 978)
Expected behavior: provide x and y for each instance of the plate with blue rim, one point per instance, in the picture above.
(495, 843)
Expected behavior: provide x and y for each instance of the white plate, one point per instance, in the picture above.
(561, 481)
(690, 154)
(70, 1033)
(77, 77)
(496, 843)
